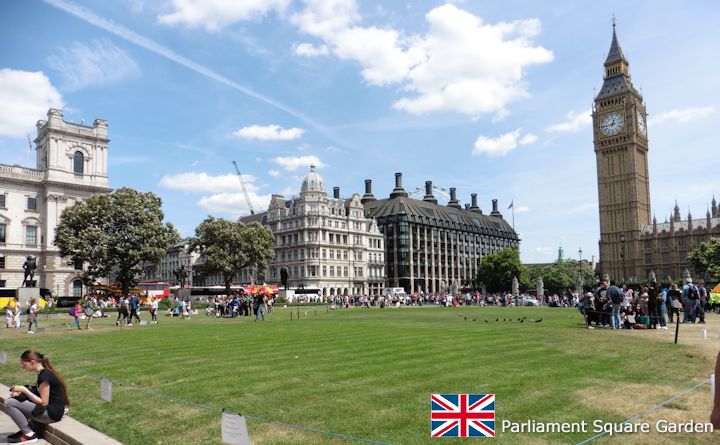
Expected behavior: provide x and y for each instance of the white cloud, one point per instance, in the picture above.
(269, 133)
(203, 183)
(94, 64)
(681, 115)
(25, 97)
(461, 64)
(292, 163)
(274, 173)
(333, 149)
(502, 144)
(310, 50)
(213, 15)
(574, 122)
(222, 193)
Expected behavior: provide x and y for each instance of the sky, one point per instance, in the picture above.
(488, 97)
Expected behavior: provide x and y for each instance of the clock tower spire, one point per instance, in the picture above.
(621, 147)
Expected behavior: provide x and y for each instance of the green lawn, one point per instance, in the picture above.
(367, 373)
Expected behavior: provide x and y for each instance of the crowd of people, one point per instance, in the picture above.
(651, 306)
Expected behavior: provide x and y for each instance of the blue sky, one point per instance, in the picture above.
(489, 97)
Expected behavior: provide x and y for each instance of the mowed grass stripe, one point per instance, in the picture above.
(363, 372)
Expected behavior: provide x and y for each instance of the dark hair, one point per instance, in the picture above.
(31, 355)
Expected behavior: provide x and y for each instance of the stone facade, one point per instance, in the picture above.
(175, 256)
(431, 247)
(324, 243)
(71, 166)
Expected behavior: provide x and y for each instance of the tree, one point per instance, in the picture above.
(560, 276)
(705, 259)
(114, 233)
(229, 246)
(496, 271)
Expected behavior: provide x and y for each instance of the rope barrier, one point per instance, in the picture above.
(648, 411)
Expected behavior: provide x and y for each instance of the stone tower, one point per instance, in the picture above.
(621, 149)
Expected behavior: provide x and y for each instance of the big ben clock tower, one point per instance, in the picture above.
(621, 148)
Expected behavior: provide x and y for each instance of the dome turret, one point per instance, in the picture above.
(312, 182)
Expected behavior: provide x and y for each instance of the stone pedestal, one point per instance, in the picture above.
(26, 293)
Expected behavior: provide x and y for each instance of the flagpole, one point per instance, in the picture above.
(513, 213)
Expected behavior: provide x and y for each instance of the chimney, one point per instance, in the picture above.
(398, 191)
(368, 196)
(428, 193)
(453, 199)
(474, 207)
(336, 192)
(495, 211)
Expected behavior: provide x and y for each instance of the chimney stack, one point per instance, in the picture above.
(368, 196)
(336, 192)
(495, 211)
(453, 199)
(428, 193)
(474, 207)
(398, 191)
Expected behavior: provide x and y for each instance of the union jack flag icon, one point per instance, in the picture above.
(462, 415)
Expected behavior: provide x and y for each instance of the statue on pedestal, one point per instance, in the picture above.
(29, 267)
(181, 276)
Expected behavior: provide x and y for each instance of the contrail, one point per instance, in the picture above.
(150, 45)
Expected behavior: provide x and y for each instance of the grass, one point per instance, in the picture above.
(368, 373)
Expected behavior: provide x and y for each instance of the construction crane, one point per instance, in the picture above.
(242, 183)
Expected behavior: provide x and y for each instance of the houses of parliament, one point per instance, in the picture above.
(632, 241)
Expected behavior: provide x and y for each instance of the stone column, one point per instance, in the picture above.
(410, 259)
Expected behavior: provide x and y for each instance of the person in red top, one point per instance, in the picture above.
(44, 403)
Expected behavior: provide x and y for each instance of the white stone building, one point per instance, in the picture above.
(71, 166)
(325, 243)
(176, 256)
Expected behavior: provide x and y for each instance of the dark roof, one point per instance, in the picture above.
(616, 85)
(424, 212)
(258, 218)
(615, 54)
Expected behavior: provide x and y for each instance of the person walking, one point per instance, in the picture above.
(690, 297)
(134, 305)
(261, 306)
(32, 316)
(17, 312)
(75, 312)
(43, 403)
(153, 310)
(122, 311)
(89, 309)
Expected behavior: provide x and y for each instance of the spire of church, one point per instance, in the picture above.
(676, 213)
(714, 208)
(615, 54)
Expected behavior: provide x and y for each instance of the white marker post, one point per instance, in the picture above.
(703, 333)
(106, 390)
(3, 357)
(234, 429)
(712, 384)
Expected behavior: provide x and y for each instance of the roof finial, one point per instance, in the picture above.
(613, 21)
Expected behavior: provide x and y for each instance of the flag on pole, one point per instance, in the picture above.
(511, 204)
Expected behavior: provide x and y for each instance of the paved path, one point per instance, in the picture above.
(8, 427)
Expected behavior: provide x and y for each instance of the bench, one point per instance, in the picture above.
(68, 431)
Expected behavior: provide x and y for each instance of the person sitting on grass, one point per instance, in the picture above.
(44, 403)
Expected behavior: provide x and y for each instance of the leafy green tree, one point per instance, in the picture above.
(229, 246)
(559, 277)
(114, 233)
(705, 259)
(496, 271)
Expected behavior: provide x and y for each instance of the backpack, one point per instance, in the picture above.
(71, 311)
(692, 293)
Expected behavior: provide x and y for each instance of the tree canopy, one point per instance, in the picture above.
(705, 259)
(496, 271)
(228, 247)
(559, 277)
(114, 233)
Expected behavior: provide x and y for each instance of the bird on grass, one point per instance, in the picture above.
(538, 321)
(497, 319)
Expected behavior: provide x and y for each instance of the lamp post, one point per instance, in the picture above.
(622, 253)
(579, 280)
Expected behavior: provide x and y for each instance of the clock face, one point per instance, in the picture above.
(612, 123)
(641, 124)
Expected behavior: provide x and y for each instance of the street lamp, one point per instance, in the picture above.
(622, 253)
(579, 280)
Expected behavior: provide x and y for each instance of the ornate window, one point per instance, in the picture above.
(77, 288)
(78, 163)
(31, 235)
(3, 232)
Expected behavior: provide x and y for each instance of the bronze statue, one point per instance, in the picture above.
(29, 267)
(181, 275)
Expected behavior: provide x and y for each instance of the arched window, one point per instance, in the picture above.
(77, 288)
(78, 163)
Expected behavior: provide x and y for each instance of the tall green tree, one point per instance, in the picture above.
(705, 259)
(559, 277)
(229, 246)
(114, 233)
(496, 271)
